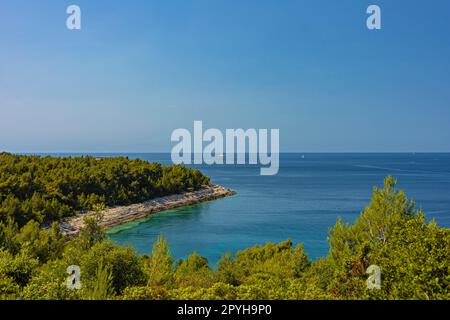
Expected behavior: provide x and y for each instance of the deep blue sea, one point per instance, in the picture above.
(307, 196)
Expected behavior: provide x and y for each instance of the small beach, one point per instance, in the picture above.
(116, 216)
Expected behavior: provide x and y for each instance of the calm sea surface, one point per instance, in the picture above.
(300, 203)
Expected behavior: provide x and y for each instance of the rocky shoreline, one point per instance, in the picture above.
(118, 215)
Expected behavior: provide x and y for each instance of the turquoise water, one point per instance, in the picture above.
(300, 203)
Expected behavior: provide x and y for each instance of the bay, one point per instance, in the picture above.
(301, 203)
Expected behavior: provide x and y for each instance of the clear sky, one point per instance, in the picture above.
(140, 69)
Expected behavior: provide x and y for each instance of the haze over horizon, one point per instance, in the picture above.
(136, 71)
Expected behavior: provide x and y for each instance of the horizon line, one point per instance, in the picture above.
(166, 152)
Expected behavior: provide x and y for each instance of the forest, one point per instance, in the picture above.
(412, 252)
(46, 189)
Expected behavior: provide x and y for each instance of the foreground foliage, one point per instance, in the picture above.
(413, 256)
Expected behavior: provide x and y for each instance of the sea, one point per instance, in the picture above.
(301, 203)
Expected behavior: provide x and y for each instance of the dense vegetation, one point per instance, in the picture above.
(414, 257)
(45, 189)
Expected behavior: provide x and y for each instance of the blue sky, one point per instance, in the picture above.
(140, 69)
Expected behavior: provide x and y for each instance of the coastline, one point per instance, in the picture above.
(116, 216)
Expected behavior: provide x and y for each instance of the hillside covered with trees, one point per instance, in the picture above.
(45, 189)
(413, 255)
